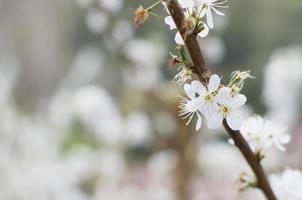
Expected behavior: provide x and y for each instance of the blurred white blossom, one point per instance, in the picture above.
(287, 186)
(137, 129)
(112, 6)
(222, 156)
(97, 21)
(96, 109)
(282, 85)
(88, 63)
(261, 133)
(124, 27)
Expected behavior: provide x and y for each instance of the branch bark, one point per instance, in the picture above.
(190, 41)
(203, 72)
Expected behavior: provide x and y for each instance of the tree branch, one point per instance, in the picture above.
(190, 41)
(203, 72)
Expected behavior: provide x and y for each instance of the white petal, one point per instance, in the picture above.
(203, 12)
(198, 87)
(169, 21)
(189, 91)
(215, 121)
(234, 122)
(210, 18)
(199, 120)
(214, 83)
(218, 12)
(238, 100)
(186, 3)
(178, 39)
(204, 32)
(284, 138)
(231, 141)
(223, 96)
(279, 146)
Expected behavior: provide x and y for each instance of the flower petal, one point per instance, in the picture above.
(214, 83)
(217, 11)
(284, 138)
(238, 100)
(279, 145)
(199, 120)
(198, 87)
(204, 32)
(186, 3)
(210, 18)
(203, 12)
(223, 96)
(189, 91)
(178, 39)
(234, 122)
(215, 121)
(169, 21)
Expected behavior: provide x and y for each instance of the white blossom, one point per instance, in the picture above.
(113, 6)
(283, 84)
(227, 108)
(277, 134)
(262, 133)
(96, 21)
(213, 103)
(207, 95)
(287, 186)
(210, 6)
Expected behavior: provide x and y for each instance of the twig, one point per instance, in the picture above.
(203, 73)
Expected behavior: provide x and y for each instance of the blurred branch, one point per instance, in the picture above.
(203, 73)
(181, 142)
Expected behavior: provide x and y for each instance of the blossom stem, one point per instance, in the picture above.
(153, 5)
(203, 74)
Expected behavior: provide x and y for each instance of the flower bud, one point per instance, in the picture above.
(173, 60)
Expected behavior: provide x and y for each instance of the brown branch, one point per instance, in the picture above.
(252, 160)
(190, 41)
(202, 71)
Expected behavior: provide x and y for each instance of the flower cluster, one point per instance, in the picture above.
(214, 102)
(287, 186)
(262, 133)
(195, 12)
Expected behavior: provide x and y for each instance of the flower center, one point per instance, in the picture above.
(225, 110)
(208, 98)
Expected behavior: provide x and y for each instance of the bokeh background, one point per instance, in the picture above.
(88, 112)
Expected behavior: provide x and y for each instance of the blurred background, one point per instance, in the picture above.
(88, 112)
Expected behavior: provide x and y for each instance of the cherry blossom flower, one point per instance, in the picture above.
(192, 105)
(201, 99)
(212, 5)
(227, 108)
(287, 186)
(208, 95)
(262, 133)
(277, 134)
(252, 130)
